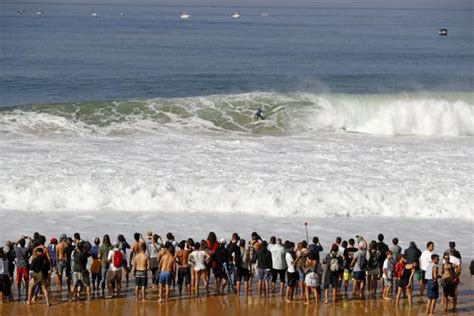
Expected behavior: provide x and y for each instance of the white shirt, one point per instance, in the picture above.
(3, 267)
(425, 259)
(388, 266)
(454, 260)
(198, 258)
(110, 257)
(278, 257)
(289, 263)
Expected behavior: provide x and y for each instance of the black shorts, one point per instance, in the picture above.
(293, 278)
(275, 273)
(219, 272)
(242, 273)
(184, 276)
(449, 290)
(141, 279)
(423, 280)
(332, 279)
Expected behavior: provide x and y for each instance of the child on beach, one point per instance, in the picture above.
(388, 267)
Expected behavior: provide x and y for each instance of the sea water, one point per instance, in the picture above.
(370, 114)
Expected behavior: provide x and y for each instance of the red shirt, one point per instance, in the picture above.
(399, 267)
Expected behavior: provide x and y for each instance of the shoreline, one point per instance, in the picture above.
(230, 304)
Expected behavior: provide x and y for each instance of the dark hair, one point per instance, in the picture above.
(155, 237)
(182, 244)
(334, 248)
(212, 238)
(452, 244)
(304, 243)
(235, 236)
(121, 238)
(273, 240)
(41, 240)
(143, 246)
(97, 241)
(255, 236)
(169, 236)
(373, 245)
(242, 242)
(395, 241)
(191, 243)
(380, 237)
(433, 256)
(315, 239)
(136, 236)
(167, 244)
(203, 245)
(344, 244)
(22, 242)
(77, 236)
(170, 248)
(351, 241)
(338, 240)
(106, 240)
(429, 243)
(197, 246)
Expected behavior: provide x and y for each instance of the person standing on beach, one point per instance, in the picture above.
(279, 263)
(348, 256)
(40, 271)
(95, 266)
(199, 258)
(5, 288)
(212, 246)
(333, 265)
(184, 271)
(153, 248)
(405, 283)
(114, 274)
(140, 267)
(450, 280)
(264, 266)
(387, 275)
(292, 273)
(432, 290)
(123, 246)
(359, 267)
(425, 260)
(397, 252)
(23, 253)
(167, 268)
(80, 274)
(104, 261)
(234, 251)
(373, 270)
(382, 249)
(412, 254)
(242, 262)
(300, 263)
(222, 259)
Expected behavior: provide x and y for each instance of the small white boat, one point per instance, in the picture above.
(122, 14)
(185, 16)
(236, 15)
(443, 32)
(39, 12)
(264, 14)
(94, 14)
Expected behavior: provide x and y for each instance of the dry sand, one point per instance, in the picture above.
(229, 305)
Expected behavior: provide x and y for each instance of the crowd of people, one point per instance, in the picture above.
(304, 271)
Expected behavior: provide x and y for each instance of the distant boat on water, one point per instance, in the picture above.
(236, 15)
(185, 16)
(39, 12)
(264, 14)
(94, 14)
(122, 14)
(443, 32)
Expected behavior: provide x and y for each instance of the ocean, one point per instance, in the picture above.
(370, 113)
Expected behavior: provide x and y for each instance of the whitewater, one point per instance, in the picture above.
(352, 164)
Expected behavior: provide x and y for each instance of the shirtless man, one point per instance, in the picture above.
(167, 268)
(184, 271)
(61, 260)
(141, 265)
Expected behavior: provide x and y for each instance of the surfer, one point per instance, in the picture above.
(259, 114)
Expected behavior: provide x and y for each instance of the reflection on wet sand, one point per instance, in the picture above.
(230, 305)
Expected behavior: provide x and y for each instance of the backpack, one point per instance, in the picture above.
(334, 264)
(37, 264)
(313, 252)
(471, 267)
(362, 262)
(77, 262)
(117, 259)
(312, 279)
(374, 260)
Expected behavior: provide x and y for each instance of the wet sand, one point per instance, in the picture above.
(232, 305)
